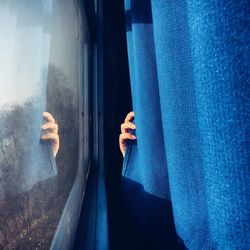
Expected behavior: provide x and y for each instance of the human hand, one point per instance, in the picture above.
(51, 132)
(125, 132)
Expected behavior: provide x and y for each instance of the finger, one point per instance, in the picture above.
(127, 136)
(130, 116)
(127, 126)
(55, 141)
(51, 136)
(53, 127)
(48, 117)
(122, 141)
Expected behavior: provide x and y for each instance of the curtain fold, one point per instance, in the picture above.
(145, 177)
(180, 122)
(189, 79)
(146, 100)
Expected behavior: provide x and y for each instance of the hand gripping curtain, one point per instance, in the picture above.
(189, 65)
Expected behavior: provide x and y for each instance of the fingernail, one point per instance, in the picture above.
(43, 134)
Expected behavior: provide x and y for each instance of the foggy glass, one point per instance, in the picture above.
(40, 70)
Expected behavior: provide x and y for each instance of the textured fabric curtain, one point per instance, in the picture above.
(189, 65)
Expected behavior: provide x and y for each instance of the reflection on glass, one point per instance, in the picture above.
(39, 71)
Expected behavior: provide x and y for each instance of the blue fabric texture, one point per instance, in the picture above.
(189, 70)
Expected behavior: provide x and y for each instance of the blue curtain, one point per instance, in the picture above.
(189, 65)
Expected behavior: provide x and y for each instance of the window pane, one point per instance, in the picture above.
(40, 70)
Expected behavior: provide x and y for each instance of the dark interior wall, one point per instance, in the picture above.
(117, 103)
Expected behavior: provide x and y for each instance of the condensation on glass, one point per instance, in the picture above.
(41, 48)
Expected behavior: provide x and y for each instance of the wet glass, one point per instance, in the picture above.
(42, 50)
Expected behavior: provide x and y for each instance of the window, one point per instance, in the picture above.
(43, 67)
